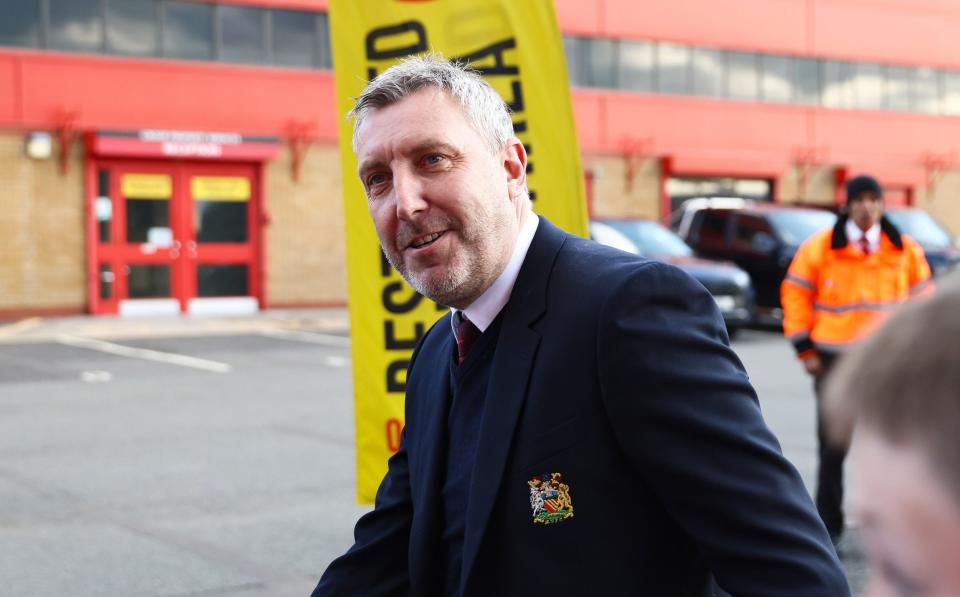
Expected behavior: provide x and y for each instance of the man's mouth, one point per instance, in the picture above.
(425, 240)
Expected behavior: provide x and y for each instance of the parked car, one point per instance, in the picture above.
(940, 247)
(761, 238)
(729, 285)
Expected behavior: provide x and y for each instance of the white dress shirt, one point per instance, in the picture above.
(488, 305)
(854, 234)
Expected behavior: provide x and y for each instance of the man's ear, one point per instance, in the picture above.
(515, 166)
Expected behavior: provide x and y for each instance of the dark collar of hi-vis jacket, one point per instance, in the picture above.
(840, 240)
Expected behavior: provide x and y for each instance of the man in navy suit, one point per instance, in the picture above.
(578, 424)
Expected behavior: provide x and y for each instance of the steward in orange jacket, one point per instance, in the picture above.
(843, 282)
(835, 293)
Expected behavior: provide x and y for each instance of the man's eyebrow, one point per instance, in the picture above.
(369, 165)
(428, 146)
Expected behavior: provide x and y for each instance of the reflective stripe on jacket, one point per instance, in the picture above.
(834, 293)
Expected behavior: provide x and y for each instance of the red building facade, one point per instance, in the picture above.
(157, 168)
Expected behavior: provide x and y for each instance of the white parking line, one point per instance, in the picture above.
(143, 353)
(309, 337)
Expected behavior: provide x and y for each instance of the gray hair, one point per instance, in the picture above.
(483, 106)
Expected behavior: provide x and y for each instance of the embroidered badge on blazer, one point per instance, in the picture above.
(550, 499)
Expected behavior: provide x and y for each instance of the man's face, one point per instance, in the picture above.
(865, 210)
(909, 519)
(447, 209)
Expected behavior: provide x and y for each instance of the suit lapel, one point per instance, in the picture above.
(506, 390)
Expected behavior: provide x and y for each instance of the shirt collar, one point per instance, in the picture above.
(854, 234)
(485, 309)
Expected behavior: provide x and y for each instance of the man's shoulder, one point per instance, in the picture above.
(589, 268)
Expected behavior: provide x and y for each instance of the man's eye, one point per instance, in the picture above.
(376, 179)
(433, 159)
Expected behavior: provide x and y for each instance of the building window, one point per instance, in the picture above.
(709, 72)
(673, 68)
(242, 34)
(807, 78)
(187, 31)
(601, 62)
(132, 27)
(20, 23)
(777, 76)
(573, 52)
(75, 25)
(839, 84)
(869, 87)
(926, 91)
(899, 94)
(743, 76)
(293, 35)
(950, 97)
(635, 70)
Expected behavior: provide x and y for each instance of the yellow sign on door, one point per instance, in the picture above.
(146, 186)
(516, 46)
(220, 188)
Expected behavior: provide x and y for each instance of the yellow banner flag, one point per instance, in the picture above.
(516, 46)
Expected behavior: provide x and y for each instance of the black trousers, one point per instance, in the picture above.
(830, 473)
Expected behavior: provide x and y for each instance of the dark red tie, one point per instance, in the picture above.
(466, 334)
(864, 245)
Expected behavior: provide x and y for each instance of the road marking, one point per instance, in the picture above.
(336, 361)
(309, 337)
(96, 376)
(146, 354)
(20, 326)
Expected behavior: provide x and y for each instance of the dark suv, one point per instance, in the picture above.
(939, 246)
(761, 238)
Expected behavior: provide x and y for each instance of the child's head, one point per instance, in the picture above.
(900, 390)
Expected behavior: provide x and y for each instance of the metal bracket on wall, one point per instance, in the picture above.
(67, 133)
(300, 135)
(633, 151)
(934, 166)
(805, 159)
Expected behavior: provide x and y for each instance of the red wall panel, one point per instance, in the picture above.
(773, 25)
(9, 108)
(918, 32)
(107, 92)
(921, 33)
(705, 136)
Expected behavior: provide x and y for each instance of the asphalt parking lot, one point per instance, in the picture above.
(216, 462)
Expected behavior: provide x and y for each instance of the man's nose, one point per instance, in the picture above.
(409, 193)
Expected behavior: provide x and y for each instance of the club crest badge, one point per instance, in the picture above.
(550, 499)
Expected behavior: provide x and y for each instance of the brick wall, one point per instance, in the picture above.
(943, 199)
(616, 196)
(305, 248)
(41, 231)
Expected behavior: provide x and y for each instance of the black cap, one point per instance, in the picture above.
(863, 184)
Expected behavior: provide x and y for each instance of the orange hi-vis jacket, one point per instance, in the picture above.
(834, 293)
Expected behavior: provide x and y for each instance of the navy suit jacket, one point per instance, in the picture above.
(615, 372)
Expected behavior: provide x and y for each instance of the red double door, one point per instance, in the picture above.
(171, 237)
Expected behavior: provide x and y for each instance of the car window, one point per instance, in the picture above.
(712, 231)
(607, 235)
(796, 225)
(921, 227)
(752, 234)
(653, 239)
